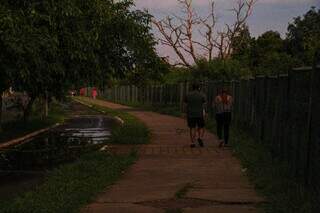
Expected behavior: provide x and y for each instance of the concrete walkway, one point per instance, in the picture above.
(208, 179)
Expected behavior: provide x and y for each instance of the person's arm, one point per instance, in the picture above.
(204, 101)
(215, 101)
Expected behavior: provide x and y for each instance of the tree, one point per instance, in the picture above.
(51, 46)
(134, 57)
(178, 32)
(242, 46)
(269, 54)
(303, 36)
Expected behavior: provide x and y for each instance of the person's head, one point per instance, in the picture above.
(224, 91)
(195, 86)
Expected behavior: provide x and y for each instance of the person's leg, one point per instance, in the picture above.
(219, 122)
(201, 131)
(193, 135)
(193, 131)
(227, 122)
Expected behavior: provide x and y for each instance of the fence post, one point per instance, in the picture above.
(181, 95)
(314, 128)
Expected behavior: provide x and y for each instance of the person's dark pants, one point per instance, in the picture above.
(223, 123)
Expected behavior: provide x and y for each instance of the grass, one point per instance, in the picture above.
(18, 128)
(71, 186)
(133, 131)
(271, 178)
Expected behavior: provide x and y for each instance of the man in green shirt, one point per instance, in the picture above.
(195, 111)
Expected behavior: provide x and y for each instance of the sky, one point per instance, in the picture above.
(267, 14)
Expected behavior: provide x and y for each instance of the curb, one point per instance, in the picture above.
(26, 137)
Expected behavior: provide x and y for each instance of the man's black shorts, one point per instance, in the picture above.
(196, 122)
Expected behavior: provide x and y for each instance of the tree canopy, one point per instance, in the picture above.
(303, 36)
(47, 46)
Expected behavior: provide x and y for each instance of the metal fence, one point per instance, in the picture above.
(283, 112)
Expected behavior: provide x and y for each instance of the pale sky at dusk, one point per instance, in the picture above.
(267, 15)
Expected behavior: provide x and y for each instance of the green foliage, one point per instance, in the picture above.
(132, 131)
(71, 186)
(242, 46)
(155, 71)
(49, 46)
(274, 63)
(269, 55)
(14, 129)
(303, 36)
(178, 75)
(219, 69)
(271, 177)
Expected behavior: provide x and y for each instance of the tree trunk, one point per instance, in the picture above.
(0, 112)
(45, 107)
(27, 110)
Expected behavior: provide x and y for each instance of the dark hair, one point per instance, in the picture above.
(224, 90)
(195, 86)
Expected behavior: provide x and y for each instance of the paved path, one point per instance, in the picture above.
(211, 176)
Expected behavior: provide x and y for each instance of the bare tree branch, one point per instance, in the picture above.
(178, 32)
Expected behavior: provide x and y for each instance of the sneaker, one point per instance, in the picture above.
(192, 145)
(200, 142)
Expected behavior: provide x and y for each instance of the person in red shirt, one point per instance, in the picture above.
(223, 106)
(94, 93)
(81, 92)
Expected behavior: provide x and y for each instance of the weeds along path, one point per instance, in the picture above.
(171, 176)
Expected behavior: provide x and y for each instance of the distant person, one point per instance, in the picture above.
(82, 91)
(94, 93)
(194, 105)
(223, 105)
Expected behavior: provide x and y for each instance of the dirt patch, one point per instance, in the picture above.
(176, 203)
(182, 203)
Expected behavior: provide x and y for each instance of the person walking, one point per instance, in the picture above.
(223, 106)
(194, 106)
(94, 93)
